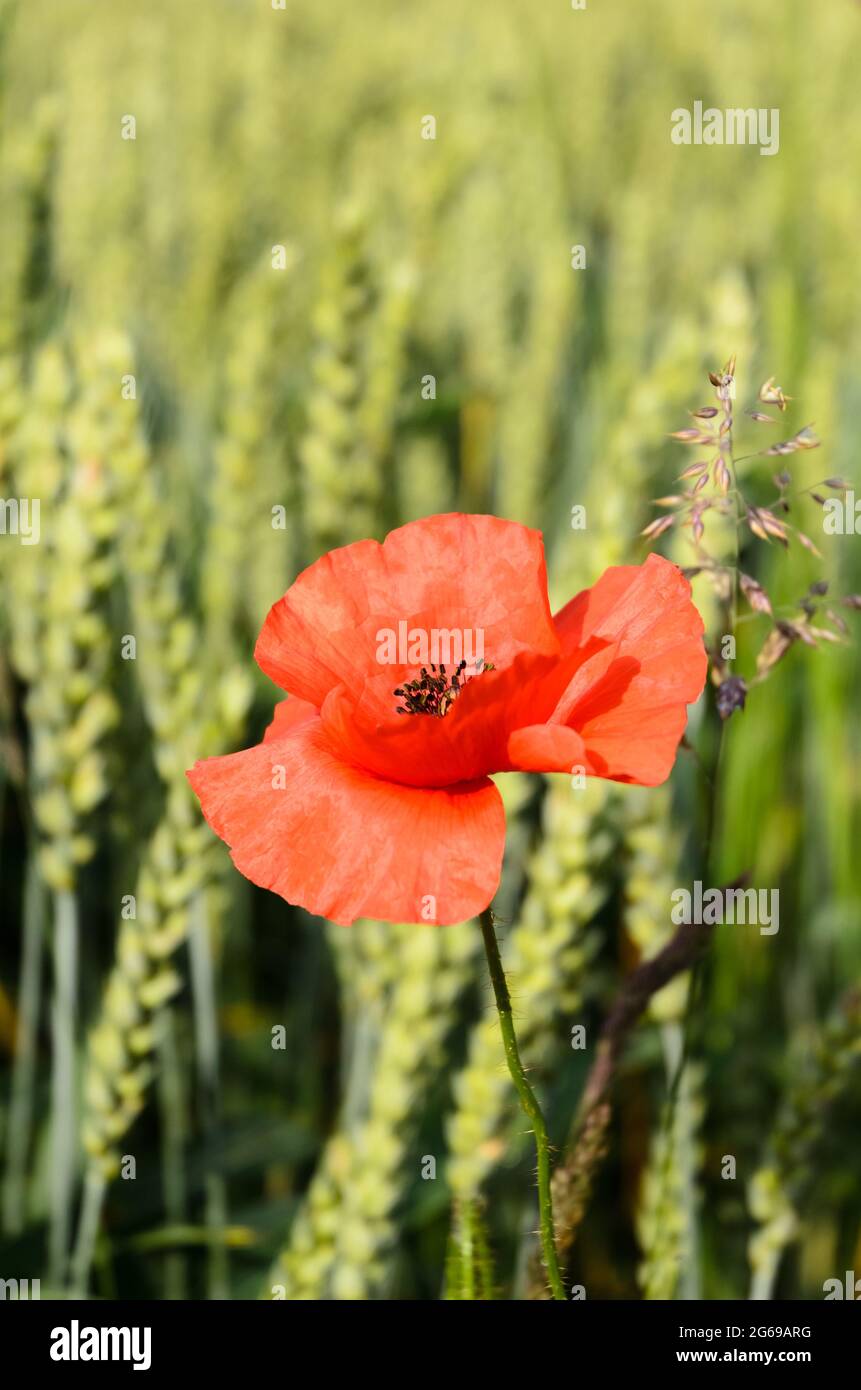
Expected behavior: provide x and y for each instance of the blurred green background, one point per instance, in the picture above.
(236, 311)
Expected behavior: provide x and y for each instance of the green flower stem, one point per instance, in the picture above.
(527, 1100)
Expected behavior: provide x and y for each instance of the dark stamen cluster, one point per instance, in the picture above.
(433, 692)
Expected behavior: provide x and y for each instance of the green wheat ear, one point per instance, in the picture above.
(60, 640)
(783, 1182)
(60, 643)
(180, 858)
(360, 325)
(667, 1206)
(667, 1217)
(250, 552)
(344, 1238)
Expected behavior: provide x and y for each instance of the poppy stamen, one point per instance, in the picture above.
(434, 693)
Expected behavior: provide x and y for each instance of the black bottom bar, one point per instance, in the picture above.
(68, 1339)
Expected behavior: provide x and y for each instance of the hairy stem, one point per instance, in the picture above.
(527, 1100)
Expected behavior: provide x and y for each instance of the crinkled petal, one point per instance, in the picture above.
(642, 662)
(288, 716)
(342, 843)
(443, 572)
(546, 748)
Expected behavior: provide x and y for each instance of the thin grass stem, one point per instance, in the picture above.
(63, 1106)
(206, 1040)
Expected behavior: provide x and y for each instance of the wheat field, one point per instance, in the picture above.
(274, 279)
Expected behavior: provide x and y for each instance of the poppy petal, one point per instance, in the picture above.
(547, 748)
(475, 572)
(631, 601)
(287, 716)
(643, 663)
(341, 843)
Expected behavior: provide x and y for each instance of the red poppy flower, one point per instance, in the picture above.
(370, 795)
